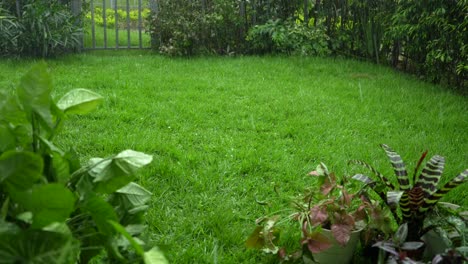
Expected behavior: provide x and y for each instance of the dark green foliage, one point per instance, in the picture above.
(288, 37)
(40, 28)
(52, 209)
(432, 38)
(10, 31)
(194, 27)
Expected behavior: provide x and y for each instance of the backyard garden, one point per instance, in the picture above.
(238, 132)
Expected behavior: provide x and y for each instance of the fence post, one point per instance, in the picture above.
(306, 12)
(76, 11)
(154, 7)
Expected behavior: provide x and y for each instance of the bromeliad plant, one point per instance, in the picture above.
(53, 210)
(332, 205)
(414, 197)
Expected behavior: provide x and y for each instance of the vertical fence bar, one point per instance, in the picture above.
(75, 6)
(154, 6)
(243, 16)
(104, 22)
(128, 24)
(116, 15)
(93, 25)
(254, 13)
(140, 27)
(306, 12)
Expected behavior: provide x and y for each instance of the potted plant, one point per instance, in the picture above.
(330, 218)
(412, 201)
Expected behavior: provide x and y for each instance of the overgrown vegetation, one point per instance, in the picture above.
(38, 28)
(53, 209)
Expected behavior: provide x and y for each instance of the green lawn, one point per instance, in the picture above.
(225, 131)
(111, 38)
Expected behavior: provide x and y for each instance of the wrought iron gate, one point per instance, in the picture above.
(116, 24)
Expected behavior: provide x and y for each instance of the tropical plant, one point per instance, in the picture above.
(39, 28)
(398, 248)
(413, 198)
(10, 30)
(330, 206)
(447, 225)
(53, 210)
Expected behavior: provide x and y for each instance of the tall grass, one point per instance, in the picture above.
(226, 132)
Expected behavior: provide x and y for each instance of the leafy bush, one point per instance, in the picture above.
(43, 28)
(10, 30)
(288, 37)
(192, 27)
(53, 210)
(432, 38)
(122, 17)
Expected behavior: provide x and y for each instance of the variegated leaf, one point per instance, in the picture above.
(393, 198)
(435, 197)
(431, 174)
(399, 167)
(378, 174)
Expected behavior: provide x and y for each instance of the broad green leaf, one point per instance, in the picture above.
(4, 208)
(131, 160)
(123, 232)
(34, 94)
(101, 212)
(112, 174)
(58, 227)
(38, 247)
(61, 168)
(79, 101)
(20, 170)
(7, 138)
(10, 111)
(154, 256)
(132, 196)
(49, 203)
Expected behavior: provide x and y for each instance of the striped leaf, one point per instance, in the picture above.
(399, 167)
(435, 197)
(378, 174)
(363, 178)
(405, 206)
(393, 198)
(430, 175)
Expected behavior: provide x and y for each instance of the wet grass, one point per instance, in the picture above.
(227, 131)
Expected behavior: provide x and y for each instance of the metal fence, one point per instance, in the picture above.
(115, 24)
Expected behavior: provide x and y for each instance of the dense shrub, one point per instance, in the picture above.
(193, 27)
(122, 17)
(432, 39)
(41, 28)
(288, 37)
(10, 30)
